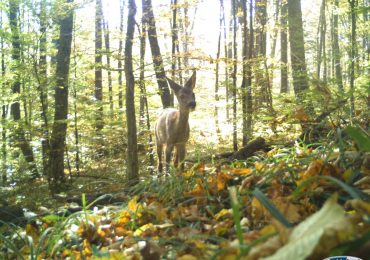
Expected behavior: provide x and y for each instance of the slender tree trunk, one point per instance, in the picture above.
(75, 118)
(217, 97)
(321, 52)
(156, 53)
(108, 52)
(297, 49)
(284, 48)
(142, 73)
(120, 57)
(226, 58)
(144, 109)
(249, 104)
(19, 133)
(132, 160)
(235, 57)
(245, 68)
(98, 65)
(353, 5)
(174, 32)
(276, 30)
(3, 111)
(336, 50)
(59, 131)
(43, 86)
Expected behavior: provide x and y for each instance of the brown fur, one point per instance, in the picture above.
(172, 126)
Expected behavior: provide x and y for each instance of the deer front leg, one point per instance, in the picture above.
(169, 148)
(181, 152)
(175, 157)
(159, 154)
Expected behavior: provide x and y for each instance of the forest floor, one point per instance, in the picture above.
(284, 202)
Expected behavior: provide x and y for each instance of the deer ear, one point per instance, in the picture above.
(191, 82)
(175, 87)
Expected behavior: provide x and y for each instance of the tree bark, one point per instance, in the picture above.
(59, 131)
(174, 34)
(353, 5)
(4, 110)
(19, 134)
(284, 48)
(120, 57)
(156, 53)
(132, 160)
(336, 50)
(43, 86)
(217, 97)
(107, 53)
(297, 49)
(98, 65)
(235, 57)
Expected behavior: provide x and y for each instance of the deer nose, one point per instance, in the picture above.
(192, 104)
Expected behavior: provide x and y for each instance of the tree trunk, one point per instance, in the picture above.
(19, 133)
(284, 48)
(132, 160)
(321, 51)
(107, 53)
(226, 60)
(336, 50)
(217, 97)
(249, 104)
(174, 32)
(297, 49)
(353, 5)
(3, 112)
(245, 68)
(120, 57)
(235, 57)
(75, 119)
(59, 131)
(156, 53)
(144, 108)
(43, 86)
(98, 65)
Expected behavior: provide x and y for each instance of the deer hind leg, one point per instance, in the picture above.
(169, 148)
(159, 154)
(175, 157)
(181, 152)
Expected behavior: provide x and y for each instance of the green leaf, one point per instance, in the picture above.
(361, 139)
(307, 236)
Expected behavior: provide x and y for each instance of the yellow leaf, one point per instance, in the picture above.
(267, 230)
(241, 171)
(133, 206)
(222, 213)
(187, 257)
(142, 229)
(259, 166)
(347, 174)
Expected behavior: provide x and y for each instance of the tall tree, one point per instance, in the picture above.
(59, 130)
(217, 97)
(235, 28)
(156, 53)
(43, 85)
(321, 50)
(4, 108)
(284, 48)
(246, 81)
(98, 64)
(174, 32)
(120, 57)
(297, 49)
(20, 139)
(132, 160)
(336, 50)
(353, 5)
(108, 53)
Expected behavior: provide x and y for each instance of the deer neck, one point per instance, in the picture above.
(183, 119)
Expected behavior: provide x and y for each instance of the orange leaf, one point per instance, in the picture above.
(241, 171)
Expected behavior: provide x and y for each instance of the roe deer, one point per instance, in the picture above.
(172, 126)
